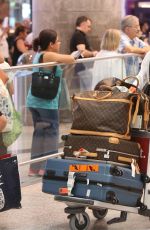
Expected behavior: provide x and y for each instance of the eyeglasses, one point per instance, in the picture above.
(135, 27)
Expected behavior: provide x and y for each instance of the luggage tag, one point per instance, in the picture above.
(133, 167)
(70, 182)
(106, 154)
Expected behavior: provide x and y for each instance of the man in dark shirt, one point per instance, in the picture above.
(79, 42)
(79, 39)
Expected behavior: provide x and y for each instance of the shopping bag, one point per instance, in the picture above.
(10, 191)
(11, 136)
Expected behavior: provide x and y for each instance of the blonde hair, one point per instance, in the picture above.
(110, 40)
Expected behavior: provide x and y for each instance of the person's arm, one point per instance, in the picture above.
(137, 50)
(56, 57)
(1, 58)
(3, 76)
(143, 74)
(86, 53)
(21, 46)
(10, 87)
(3, 121)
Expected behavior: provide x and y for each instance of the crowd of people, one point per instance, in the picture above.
(47, 45)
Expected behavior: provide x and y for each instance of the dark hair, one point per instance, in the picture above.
(81, 19)
(1, 20)
(19, 29)
(45, 37)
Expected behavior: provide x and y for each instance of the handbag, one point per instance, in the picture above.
(146, 90)
(11, 136)
(10, 191)
(45, 85)
(113, 81)
(143, 112)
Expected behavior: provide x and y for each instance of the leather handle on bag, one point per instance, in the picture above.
(84, 154)
(132, 77)
(124, 159)
(97, 96)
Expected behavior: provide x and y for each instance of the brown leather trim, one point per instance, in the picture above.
(99, 100)
(106, 134)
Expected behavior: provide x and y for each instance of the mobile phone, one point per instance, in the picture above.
(76, 54)
(5, 22)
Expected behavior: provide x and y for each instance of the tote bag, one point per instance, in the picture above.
(11, 136)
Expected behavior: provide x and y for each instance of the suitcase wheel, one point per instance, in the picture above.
(100, 213)
(143, 207)
(64, 137)
(114, 200)
(79, 221)
(115, 171)
(145, 178)
(111, 197)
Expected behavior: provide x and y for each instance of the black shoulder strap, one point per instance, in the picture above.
(41, 61)
(54, 69)
(41, 58)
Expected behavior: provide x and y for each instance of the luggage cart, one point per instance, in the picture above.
(76, 207)
(79, 219)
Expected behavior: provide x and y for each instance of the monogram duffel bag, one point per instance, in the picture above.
(105, 113)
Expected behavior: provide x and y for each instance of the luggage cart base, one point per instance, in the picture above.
(79, 219)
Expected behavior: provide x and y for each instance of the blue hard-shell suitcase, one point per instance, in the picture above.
(94, 180)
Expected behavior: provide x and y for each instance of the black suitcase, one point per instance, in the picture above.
(10, 192)
(101, 148)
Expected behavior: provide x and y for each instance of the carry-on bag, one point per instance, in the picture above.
(93, 180)
(143, 138)
(10, 192)
(142, 119)
(101, 148)
(104, 113)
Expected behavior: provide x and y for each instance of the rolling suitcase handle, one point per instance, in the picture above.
(132, 161)
(84, 153)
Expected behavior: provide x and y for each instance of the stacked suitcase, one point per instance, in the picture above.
(98, 167)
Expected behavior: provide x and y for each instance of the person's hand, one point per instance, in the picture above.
(147, 49)
(94, 53)
(3, 76)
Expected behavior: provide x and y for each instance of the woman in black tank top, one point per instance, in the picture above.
(19, 43)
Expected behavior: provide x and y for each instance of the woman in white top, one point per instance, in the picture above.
(144, 73)
(112, 67)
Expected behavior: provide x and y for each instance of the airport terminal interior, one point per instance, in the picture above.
(43, 210)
